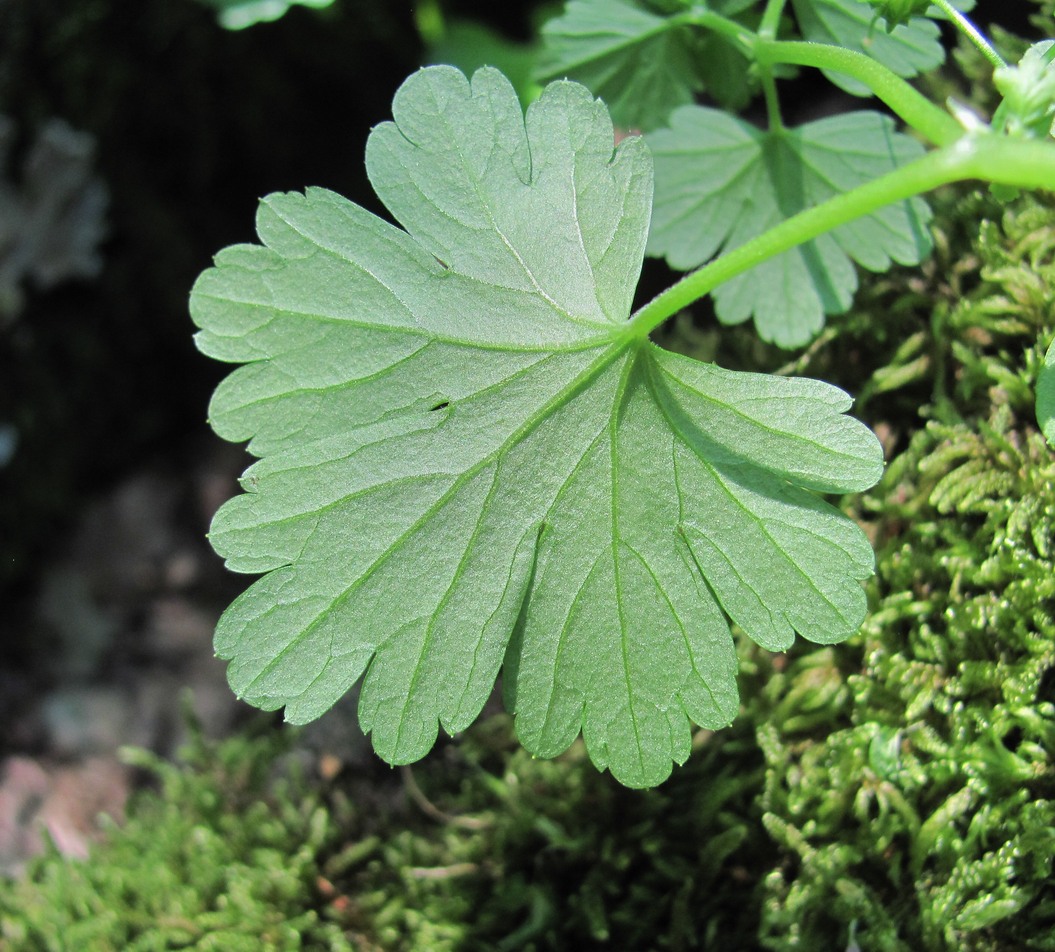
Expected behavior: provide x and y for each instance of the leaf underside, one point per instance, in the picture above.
(912, 48)
(640, 63)
(470, 463)
(721, 182)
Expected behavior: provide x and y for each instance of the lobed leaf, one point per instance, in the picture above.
(721, 182)
(907, 50)
(472, 464)
(239, 14)
(640, 63)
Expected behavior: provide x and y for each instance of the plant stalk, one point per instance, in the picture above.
(968, 29)
(985, 156)
(912, 107)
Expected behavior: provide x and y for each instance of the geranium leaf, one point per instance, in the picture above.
(721, 181)
(640, 63)
(911, 48)
(471, 459)
(238, 14)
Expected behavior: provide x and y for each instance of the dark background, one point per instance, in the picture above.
(193, 123)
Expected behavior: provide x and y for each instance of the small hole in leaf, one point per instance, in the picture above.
(442, 405)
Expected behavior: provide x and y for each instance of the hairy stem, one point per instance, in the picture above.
(771, 18)
(985, 156)
(769, 88)
(913, 108)
(972, 32)
(716, 23)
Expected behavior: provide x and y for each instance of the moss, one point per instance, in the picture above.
(530, 854)
(923, 815)
(222, 856)
(927, 814)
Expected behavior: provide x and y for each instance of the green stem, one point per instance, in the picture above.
(717, 24)
(771, 19)
(913, 108)
(769, 89)
(1020, 163)
(428, 17)
(972, 32)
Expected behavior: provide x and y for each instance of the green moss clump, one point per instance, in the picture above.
(523, 854)
(924, 819)
(222, 857)
(502, 852)
(928, 816)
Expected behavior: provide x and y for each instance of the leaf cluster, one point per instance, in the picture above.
(645, 59)
(720, 181)
(475, 463)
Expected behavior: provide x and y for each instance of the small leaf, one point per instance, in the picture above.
(721, 182)
(1028, 88)
(726, 72)
(239, 14)
(639, 63)
(1046, 396)
(909, 49)
(472, 461)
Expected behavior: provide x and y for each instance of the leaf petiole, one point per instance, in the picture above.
(972, 32)
(771, 18)
(913, 108)
(984, 156)
(709, 20)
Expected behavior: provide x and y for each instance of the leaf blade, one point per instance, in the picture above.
(469, 463)
(640, 63)
(911, 48)
(721, 182)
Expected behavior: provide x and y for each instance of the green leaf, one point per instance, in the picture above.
(1028, 88)
(909, 49)
(238, 14)
(472, 460)
(721, 182)
(1046, 396)
(641, 64)
(726, 72)
(468, 45)
(896, 12)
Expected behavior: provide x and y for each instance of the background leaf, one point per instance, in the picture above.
(239, 14)
(641, 64)
(721, 182)
(911, 48)
(471, 460)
